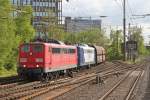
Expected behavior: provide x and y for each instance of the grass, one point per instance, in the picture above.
(6, 73)
(139, 59)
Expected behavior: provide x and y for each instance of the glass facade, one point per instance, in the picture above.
(43, 10)
(80, 24)
(21, 2)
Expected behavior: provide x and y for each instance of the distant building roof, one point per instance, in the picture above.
(80, 24)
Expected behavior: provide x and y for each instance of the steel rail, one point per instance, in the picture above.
(117, 84)
(134, 86)
(92, 77)
(114, 87)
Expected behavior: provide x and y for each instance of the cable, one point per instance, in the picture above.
(131, 11)
(121, 3)
(120, 6)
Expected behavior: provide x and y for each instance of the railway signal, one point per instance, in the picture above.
(131, 48)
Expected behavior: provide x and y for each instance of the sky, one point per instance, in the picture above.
(113, 9)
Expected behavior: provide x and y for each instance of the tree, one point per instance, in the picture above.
(49, 27)
(13, 30)
(24, 32)
(92, 36)
(56, 32)
(7, 32)
(114, 50)
(24, 29)
(137, 36)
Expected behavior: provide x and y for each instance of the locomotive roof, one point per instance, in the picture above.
(51, 44)
(100, 47)
(85, 47)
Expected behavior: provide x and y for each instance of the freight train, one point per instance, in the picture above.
(48, 60)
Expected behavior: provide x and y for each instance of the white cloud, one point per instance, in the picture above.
(84, 7)
(111, 8)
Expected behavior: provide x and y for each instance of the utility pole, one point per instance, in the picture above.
(124, 27)
(129, 32)
(129, 54)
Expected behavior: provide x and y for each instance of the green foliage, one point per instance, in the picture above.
(56, 32)
(114, 50)
(147, 52)
(137, 36)
(71, 38)
(7, 73)
(24, 29)
(12, 32)
(7, 32)
(93, 36)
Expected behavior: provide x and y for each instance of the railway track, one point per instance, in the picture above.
(66, 88)
(13, 81)
(35, 89)
(123, 89)
(11, 85)
(9, 80)
(92, 91)
(16, 85)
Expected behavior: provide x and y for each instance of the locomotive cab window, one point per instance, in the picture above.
(25, 48)
(37, 48)
(64, 50)
(71, 50)
(56, 50)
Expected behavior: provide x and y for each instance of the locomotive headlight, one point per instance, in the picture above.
(39, 59)
(23, 59)
(37, 66)
(24, 66)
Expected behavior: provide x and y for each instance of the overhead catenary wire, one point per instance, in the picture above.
(119, 5)
(133, 13)
(130, 13)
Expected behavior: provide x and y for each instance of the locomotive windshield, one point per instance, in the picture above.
(25, 48)
(37, 48)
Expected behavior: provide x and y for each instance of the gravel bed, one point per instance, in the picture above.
(90, 91)
(91, 86)
(121, 91)
(140, 91)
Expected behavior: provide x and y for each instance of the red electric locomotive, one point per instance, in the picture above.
(46, 60)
